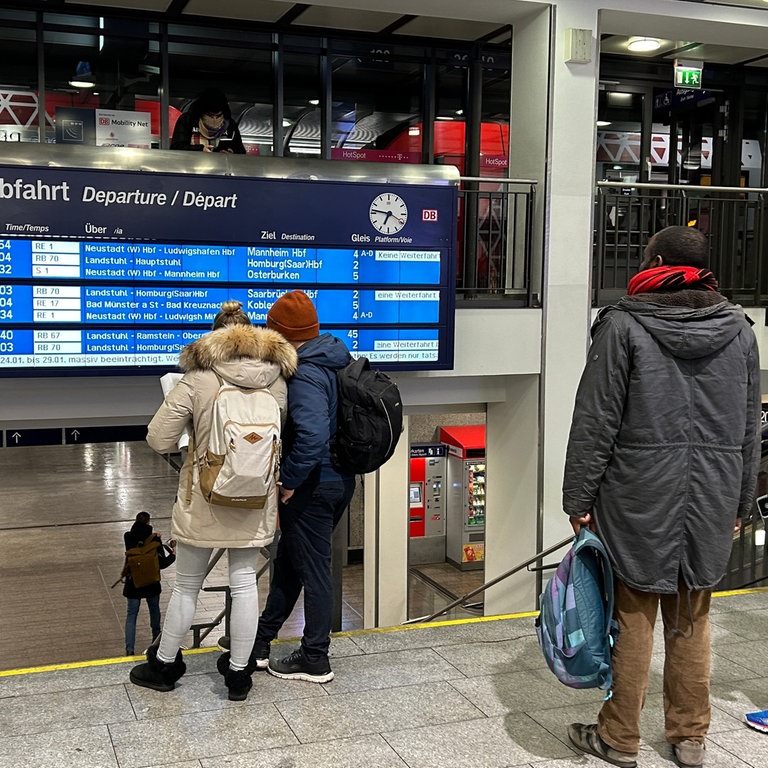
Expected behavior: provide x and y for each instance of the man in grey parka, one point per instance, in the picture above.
(662, 462)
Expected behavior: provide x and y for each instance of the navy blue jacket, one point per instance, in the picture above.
(312, 412)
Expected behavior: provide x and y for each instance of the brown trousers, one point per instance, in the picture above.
(686, 666)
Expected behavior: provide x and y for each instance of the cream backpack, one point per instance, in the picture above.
(241, 465)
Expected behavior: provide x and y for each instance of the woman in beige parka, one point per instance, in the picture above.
(249, 357)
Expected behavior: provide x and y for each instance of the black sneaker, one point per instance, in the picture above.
(259, 658)
(223, 643)
(297, 667)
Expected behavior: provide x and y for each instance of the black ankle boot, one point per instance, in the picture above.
(157, 674)
(238, 684)
(222, 664)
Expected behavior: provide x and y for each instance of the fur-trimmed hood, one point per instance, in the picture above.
(230, 352)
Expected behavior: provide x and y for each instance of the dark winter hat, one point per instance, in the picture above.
(294, 315)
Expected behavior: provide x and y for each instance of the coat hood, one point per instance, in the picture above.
(688, 332)
(325, 350)
(230, 351)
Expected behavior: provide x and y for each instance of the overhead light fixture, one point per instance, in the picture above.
(643, 44)
(83, 77)
(602, 123)
(314, 102)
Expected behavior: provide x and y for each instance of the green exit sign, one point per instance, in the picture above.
(687, 77)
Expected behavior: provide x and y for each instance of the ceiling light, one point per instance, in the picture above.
(314, 102)
(83, 77)
(643, 44)
(602, 123)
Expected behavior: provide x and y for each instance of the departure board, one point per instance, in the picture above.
(112, 270)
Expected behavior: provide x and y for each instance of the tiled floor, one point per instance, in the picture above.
(475, 694)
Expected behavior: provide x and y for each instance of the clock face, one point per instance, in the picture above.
(388, 213)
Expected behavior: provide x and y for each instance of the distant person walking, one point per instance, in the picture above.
(141, 532)
(662, 462)
(251, 358)
(208, 126)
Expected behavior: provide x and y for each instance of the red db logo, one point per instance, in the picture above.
(429, 214)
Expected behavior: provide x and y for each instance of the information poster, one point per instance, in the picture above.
(103, 270)
(103, 127)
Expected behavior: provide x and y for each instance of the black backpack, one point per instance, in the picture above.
(370, 418)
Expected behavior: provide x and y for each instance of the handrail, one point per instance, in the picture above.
(492, 582)
(500, 180)
(209, 626)
(697, 187)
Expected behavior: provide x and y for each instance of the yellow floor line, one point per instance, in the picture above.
(351, 633)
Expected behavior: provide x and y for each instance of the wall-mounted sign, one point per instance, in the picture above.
(103, 127)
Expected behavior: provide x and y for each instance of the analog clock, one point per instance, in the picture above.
(388, 213)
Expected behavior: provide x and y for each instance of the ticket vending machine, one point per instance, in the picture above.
(426, 505)
(465, 496)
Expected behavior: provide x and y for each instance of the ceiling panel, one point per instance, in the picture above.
(741, 3)
(617, 44)
(159, 6)
(722, 54)
(450, 29)
(342, 18)
(267, 11)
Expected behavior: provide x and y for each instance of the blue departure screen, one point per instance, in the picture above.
(105, 270)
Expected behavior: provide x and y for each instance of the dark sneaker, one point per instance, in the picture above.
(259, 658)
(297, 667)
(223, 643)
(129, 652)
(587, 739)
(689, 753)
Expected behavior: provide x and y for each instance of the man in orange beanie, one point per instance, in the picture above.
(313, 495)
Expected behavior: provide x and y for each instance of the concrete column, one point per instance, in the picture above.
(385, 560)
(568, 250)
(512, 479)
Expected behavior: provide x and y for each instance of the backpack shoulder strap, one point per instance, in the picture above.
(193, 446)
(588, 540)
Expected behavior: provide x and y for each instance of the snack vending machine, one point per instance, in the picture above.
(426, 505)
(465, 497)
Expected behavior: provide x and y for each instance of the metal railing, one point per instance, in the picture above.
(202, 629)
(462, 601)
(495, 240)
(732, 218)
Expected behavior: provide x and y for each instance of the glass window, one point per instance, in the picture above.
(96, 63)
(377, 105)
(18, 77)
(301, 104)
(242, 71)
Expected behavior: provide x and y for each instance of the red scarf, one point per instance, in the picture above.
(671, 278)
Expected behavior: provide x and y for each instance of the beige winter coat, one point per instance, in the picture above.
(244, 355)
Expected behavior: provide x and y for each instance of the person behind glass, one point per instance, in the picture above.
(313, 496)
(249, 357)
(140, 532)
(208, 126)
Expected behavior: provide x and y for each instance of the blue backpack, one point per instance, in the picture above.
(575, 627)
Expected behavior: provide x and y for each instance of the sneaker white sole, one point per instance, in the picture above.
(326, 678)
(262, 663)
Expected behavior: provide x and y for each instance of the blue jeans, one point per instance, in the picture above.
(134, 603)
(303, 560)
